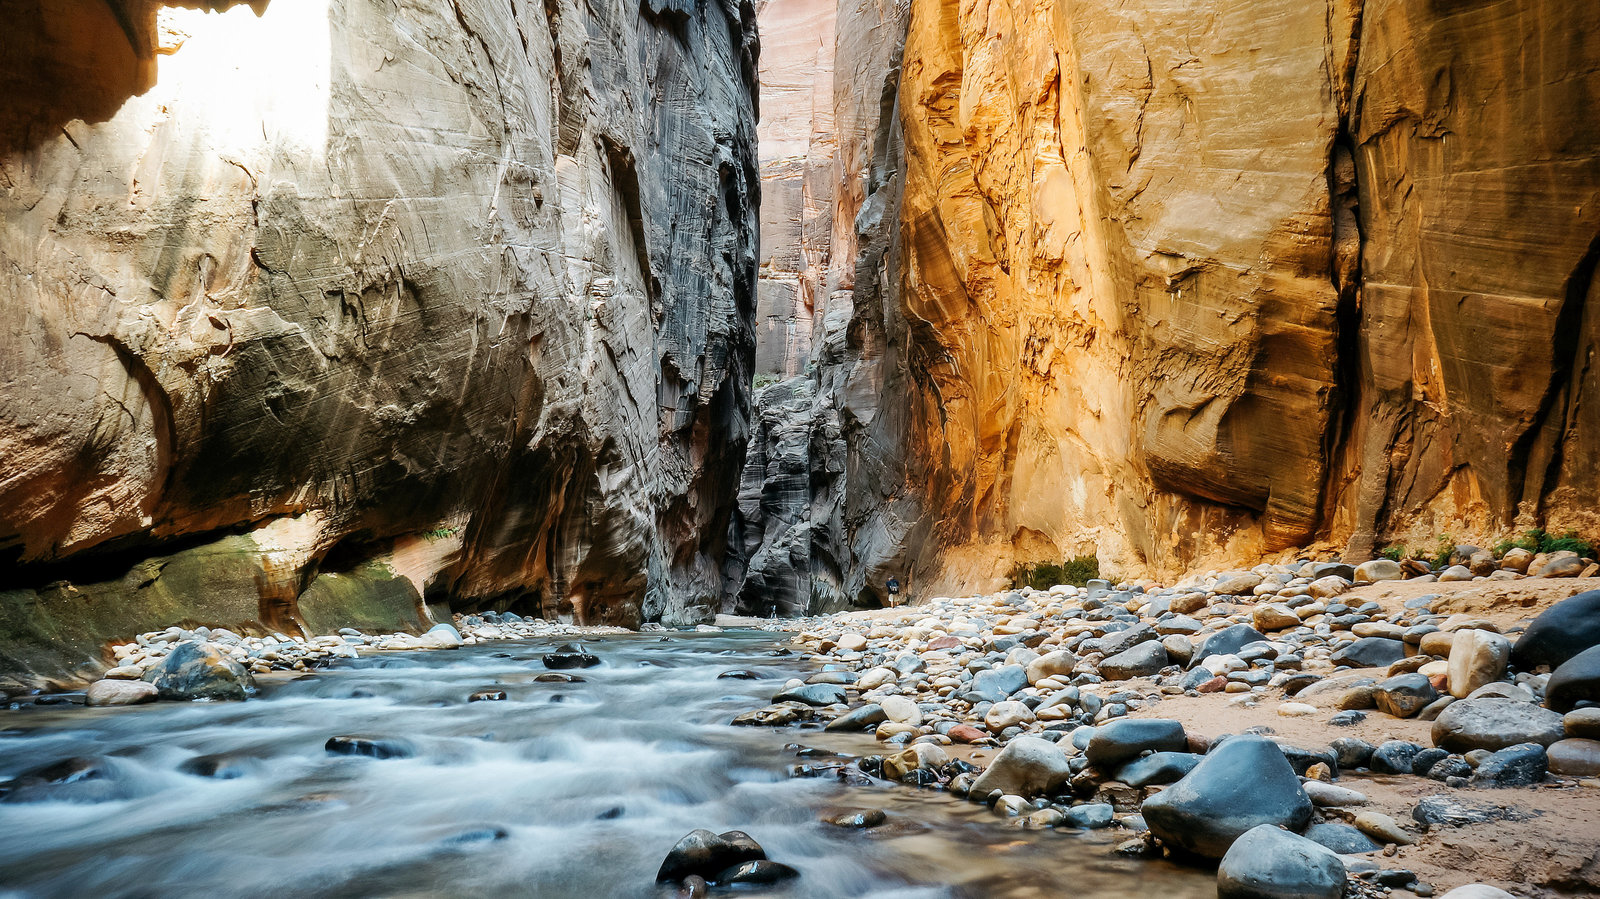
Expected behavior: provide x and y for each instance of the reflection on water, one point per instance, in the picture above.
(564, 790)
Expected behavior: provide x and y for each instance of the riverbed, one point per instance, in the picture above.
(573, 789)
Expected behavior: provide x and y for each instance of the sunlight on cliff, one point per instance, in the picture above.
(248, 76)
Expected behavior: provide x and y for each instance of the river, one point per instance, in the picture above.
(563, 790)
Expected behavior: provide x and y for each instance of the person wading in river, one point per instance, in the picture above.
(894, 591)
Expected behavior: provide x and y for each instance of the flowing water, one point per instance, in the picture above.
(563, 790)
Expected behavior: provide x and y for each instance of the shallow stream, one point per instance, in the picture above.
(563, 790)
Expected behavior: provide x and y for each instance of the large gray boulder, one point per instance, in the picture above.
(1269, 863)
(1243, 783)
(199, 671)
(1123, 739)
(1577, 680)
(1559, 633)
(1494, 724)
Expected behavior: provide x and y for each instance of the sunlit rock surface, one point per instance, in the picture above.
(1182, 286)
(461, 289)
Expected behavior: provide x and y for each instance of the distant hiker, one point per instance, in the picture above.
(894, 590)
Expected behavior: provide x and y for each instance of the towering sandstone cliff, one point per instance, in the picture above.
(1181, 284)
(316, 310)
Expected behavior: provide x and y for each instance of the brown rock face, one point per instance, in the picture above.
(465, 289)
(1182, 288)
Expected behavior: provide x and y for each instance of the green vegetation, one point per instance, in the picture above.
(764, 381)
(1443, 552)
(439, 533)
(1044, 575)
(1538, 540)
(1394, 552)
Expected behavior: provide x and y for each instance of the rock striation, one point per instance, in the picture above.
(332, 308)
(1182, 289)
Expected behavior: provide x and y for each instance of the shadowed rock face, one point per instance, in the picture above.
(461, 289)
(1181, 287)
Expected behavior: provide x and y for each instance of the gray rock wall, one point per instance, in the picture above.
(462, 288)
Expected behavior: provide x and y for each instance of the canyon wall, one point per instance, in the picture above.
(368, 306)
(1182, 286)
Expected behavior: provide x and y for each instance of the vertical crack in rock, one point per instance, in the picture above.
(1154, 292)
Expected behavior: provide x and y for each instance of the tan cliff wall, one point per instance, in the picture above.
(1187, 286)
(1246, 281)
(464, 290)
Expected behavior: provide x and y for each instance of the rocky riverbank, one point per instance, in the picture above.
(1306, 728)
(217, 664)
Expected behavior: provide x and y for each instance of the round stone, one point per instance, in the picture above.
(1242, 783)
(1494, 724)
(1269, 863)
(1574, 757)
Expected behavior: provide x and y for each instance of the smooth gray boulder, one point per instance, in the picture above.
(1118, 741)
(1494, 724)
(1269, 863)
(1559, 633)
(1239, 785)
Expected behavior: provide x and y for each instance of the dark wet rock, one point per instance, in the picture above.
(1301, 759)
(221, 766)
(1423, 762)
(568, 657)
(1243, 783)
(1143, 660)
(1494, 724)
(1352, 752)
(1157, 768)
(1404, 695)
(1228, 641)
(77, 779)
(708, 854)
(1394, 757)
(488, 696)
(559, 679)
(855, 818)
(1089, 816)
(1341, 838)
(760, 872)
(1371, 652)
(1559, 633)
(1515, 766)
(739, 674)
(813, 694)
(1446, 810)
(199, 671)
(1119, 741)
(863, 718)
(371, 747)
(1448, 767)
(779, 715)
(1347, 718)
(1576, 681)
(693, 887)
(1268, 863)
(477, 835)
